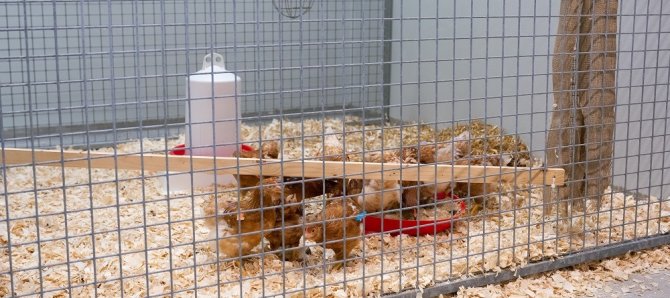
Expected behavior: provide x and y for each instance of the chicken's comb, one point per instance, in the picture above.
(246, 148)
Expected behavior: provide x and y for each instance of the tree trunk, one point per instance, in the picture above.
(564, 136)
(582, 125)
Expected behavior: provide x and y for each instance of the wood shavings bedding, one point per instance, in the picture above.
(585, 280)
(163, 245)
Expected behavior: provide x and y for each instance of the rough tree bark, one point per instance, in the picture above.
(580, 138)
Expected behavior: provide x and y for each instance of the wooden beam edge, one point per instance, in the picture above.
(295, 168)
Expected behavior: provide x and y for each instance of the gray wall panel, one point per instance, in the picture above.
(125, 61)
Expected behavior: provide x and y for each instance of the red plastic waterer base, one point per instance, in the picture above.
(375, 224)
(181, 149)
(178, 150)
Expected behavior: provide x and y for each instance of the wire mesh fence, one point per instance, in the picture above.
(381, 147)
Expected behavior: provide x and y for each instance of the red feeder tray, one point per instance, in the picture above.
(373, 224)
(180, 149)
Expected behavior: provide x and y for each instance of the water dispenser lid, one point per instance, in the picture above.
(213, 70)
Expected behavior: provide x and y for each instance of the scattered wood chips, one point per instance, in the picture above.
(104, 232)
(594, 279)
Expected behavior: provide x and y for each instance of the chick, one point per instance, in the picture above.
(353, 186)
(417, 193)
(447, 153)
(309, 189)
(377, 195)
(414, 193)
(330, 151)
(244, 230)
(385, 156)
(288, 235)
(380, 195)
(479, 191)
(332, 148)
(342, 231)
(269, 150)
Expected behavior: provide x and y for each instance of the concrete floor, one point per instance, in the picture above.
(651, 285)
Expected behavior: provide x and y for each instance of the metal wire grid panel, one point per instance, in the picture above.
(115, 63)
(107, 73)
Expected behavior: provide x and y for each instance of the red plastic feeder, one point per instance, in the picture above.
(181, 149)
(178, 150)
(373, 224)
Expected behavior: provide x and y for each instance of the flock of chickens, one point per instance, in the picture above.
(272, 208)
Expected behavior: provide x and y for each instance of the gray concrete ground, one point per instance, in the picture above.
(652, 285)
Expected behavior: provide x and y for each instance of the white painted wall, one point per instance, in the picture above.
(492, 61)
(642, 150)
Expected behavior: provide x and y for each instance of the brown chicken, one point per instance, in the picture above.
(408, 193)
(255, 217)
(287, 236)
(332, 148)
(430, 153)
(314, 188)
(330, 151)
(377, 195)
(456, 151)
(342, 231)
(479, 191)
(411, 193)
(269, 150)
(415, 194)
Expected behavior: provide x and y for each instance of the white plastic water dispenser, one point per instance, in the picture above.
(212, 121)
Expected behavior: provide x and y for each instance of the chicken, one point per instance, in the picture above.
(342, 230)
(377, 195)
(243, 231)
(269, 150)
(415, 194)
(455, 151)
(288, 235)
(410, 193)
(380, 195)
(430, 153)
(447, 153)
(354, 186)
(454, 148)
(284, 236)
(330, 151)
(479, 191)
(296, 185)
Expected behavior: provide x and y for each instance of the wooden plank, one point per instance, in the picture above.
(299, 168)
